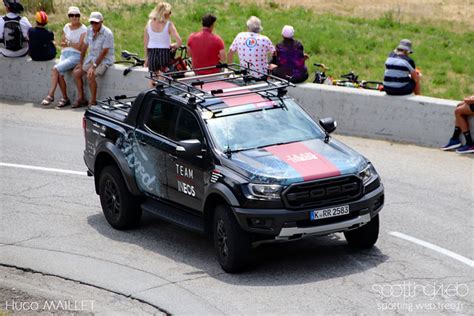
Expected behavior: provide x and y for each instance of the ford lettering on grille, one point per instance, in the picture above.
(323, 192)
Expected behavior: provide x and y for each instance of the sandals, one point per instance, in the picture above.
(63, 103)
(47, 101)
(80, 103)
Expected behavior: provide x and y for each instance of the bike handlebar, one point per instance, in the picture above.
(323, 66)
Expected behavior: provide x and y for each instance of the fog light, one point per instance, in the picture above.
(260, 222)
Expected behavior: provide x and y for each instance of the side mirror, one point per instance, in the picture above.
(189, 148)
(329, 124)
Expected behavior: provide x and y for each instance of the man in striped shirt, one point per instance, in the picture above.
(401, 76)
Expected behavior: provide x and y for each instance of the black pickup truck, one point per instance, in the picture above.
(231, 156)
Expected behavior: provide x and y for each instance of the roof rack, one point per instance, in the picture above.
(118, 102)
(192, 87)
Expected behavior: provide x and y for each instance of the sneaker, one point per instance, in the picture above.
(466, 149)
(452, 144)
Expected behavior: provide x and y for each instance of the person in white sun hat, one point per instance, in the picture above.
(72, 40)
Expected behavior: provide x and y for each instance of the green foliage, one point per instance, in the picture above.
(37, 5)
(443, 51)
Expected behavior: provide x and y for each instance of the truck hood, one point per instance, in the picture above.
(299, 161)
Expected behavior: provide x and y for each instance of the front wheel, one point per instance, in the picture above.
(365, 236)
(231, 243)
(121, 209)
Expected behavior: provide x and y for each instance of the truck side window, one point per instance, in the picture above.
(160, 117)
(188, 127)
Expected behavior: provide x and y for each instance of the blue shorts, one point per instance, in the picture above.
(67, 61)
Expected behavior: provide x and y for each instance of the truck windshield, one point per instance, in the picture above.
(269, 126)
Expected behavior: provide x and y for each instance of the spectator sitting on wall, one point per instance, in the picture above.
(41, 40)
(401, 76)
(205, 48)
(289, 58)
(14, 30)
(100, 42)
(72, 40)
(461, 125)
(252, 47)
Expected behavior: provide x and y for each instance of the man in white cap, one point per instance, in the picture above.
(401, 76)
(100, 41)
(252, 47)
(13, 30)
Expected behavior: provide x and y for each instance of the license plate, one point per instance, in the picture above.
(329, 212)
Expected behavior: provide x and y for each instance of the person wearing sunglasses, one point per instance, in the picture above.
(72, 38)
(99, 41)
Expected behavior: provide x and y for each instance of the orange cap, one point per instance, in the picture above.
(41, 17)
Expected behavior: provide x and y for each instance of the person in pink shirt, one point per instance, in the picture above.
(206, 48)
(252, 47)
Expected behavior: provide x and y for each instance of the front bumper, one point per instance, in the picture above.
(284, 224)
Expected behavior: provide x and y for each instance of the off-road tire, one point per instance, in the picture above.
(121, 209)
(232, 244)
(365, 236)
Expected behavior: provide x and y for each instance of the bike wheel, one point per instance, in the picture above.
(372, 85)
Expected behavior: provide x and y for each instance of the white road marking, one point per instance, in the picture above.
(446, 252)
(12, 165)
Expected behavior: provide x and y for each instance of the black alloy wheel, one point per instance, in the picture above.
(231, 242)
(121, 209)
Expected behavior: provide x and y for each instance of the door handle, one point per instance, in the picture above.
(142, 142)
(173, 157)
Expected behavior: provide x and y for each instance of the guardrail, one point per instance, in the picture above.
(412, 119)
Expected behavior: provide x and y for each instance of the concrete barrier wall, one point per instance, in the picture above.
(25, 80)
(413, 119)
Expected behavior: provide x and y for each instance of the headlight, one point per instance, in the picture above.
(265, 191)
(367, 173)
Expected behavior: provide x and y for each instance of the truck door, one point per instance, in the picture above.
(186, 175)
(154, 145)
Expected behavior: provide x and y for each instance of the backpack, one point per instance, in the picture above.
(13, 38)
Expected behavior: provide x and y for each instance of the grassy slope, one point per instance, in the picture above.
(445, 57)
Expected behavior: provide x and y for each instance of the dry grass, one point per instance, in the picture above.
(402, 10)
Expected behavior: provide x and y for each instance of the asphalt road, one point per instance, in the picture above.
(52, 223)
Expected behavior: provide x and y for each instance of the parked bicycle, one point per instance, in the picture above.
(349, 80)
(132, 59)
(180, 62)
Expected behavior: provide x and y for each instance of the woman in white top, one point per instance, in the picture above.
(157, 38)
(71, 43)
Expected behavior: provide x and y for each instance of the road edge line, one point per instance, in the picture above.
(431, 246)
(12, 165)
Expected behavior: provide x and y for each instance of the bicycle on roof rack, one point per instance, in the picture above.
(350, 79)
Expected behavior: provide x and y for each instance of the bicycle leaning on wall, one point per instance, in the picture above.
(348, 80)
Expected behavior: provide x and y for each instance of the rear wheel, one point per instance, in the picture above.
(232, 244)
(365, 236)
(121, 209)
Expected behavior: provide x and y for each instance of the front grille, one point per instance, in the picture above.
(322, 192)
